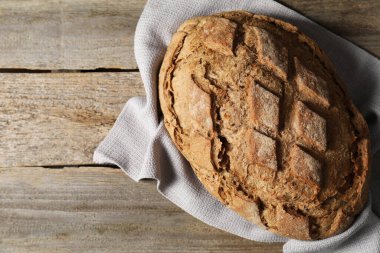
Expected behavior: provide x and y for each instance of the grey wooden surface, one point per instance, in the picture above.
(66, 70)
(59, 118)
(68, 34)
(99, 209)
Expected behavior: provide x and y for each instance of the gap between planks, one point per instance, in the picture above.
(40, 71)
(55, 167)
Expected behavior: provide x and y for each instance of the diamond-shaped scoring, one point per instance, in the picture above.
(267, 80)
(218, 34)
(309, 127)
(270, 53)
(264, 108)
(304, 165)
(289, 222)
(311, 85)
(263, 150)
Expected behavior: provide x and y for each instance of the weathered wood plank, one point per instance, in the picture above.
(98, 209)
(69, 34)
(59, 118)
(358, 21)
(75, 34)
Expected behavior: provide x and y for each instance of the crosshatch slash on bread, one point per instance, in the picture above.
(256, 108)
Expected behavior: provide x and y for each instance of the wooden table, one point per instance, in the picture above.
(67, 68)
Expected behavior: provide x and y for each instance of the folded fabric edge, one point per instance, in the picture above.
(292, 246)
(297, 246)
(101, 157)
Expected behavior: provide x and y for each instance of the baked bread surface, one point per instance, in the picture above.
(255, 107)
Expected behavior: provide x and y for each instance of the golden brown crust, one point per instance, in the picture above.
(256, 108)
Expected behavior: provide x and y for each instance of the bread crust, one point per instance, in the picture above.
(256, 108)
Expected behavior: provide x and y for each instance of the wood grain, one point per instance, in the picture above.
(59, 118)
(357, 21)
(99, 209)
(79, 34)
(69, 34)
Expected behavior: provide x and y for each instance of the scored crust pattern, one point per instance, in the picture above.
(255, 107)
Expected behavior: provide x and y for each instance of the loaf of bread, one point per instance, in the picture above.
(256, 108)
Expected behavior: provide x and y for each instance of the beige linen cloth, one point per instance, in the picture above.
(139, 144)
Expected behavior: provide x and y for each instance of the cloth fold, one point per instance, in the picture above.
(139, 144)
